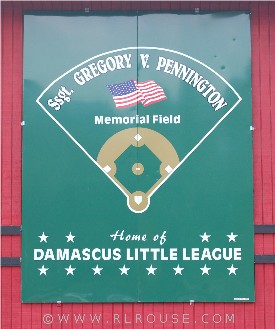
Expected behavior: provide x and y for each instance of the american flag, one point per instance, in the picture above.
(130, 93)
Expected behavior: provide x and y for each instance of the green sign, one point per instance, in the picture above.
(137, 158)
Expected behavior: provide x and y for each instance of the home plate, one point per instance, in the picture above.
(138, 199)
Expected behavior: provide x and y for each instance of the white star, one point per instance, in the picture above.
(43, 270)
(232, 269)
(151, 270)
(43, 237)
(70, 237)
(70, 270)
(205, 270)
(232, 237)
(205, 237)
(97, 270)
(124, 270)
(178, 270)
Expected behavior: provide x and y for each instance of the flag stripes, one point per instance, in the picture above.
(129, 93)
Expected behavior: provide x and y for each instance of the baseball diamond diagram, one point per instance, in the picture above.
(137, 158)
(139, 200)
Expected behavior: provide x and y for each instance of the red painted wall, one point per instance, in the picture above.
(258, 315)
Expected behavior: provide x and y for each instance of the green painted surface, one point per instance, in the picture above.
(177, 173)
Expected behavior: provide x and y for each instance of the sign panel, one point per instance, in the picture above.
(137, 164)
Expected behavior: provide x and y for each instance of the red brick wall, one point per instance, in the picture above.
(258, 315)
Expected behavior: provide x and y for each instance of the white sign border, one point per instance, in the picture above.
(186, 156)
